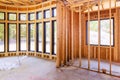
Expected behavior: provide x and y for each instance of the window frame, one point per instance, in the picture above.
(29, 38)
(37, 16)
(53, 14)
(20, 37)
(37, 37)
(45, 38)
(29, 16)
(53, 36)
(45, 14)
(9, 15)
(100, 31)
(9, 37)
(4, 38)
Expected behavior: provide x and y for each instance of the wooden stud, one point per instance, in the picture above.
(98, 35)
(69, 35)
(50, 33)
(27, 45)
(110, 36)
(35, 37)
(17, 33)
(88, 34)
(80, 38)
(106, 54)
(42, 34)
(94, 52)
(72, 23)
(6, 31)
(66, 35)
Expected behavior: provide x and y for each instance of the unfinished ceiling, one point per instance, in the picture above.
(104, 4)
(21, 2)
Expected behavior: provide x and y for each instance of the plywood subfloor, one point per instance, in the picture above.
(38, 69)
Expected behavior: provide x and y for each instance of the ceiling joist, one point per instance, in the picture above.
(104, 4)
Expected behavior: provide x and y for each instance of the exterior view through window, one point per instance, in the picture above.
(23, 37)
(28, 31)
(104, 32)
(47, 36)
(31, 16)
(22, 17)
(39, 36)
(2, 16)
(2, 25)
(12, 37)
(54, 32)
(39, 15)
(31, 37)
(47, 13)
(12, 16)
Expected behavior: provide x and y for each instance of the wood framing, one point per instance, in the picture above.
(28, 9)
(73, 31)
(82, 30)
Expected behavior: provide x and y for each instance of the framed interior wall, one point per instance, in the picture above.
(100, 54)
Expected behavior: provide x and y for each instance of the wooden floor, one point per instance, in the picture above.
(38, 69)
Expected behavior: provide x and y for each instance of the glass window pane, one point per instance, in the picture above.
(2, 16)
(105, 32)
(12, 37)
(53, 12)
(47, 13)
(94, 32)
(12, 16)
(2, 25)
(22, 16)
(55, 34)
(32, 37)
(31, 16)
(23, 36)
(47, 37)
(39, 15)
(39, 35)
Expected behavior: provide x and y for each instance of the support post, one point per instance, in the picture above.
(58, 63)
